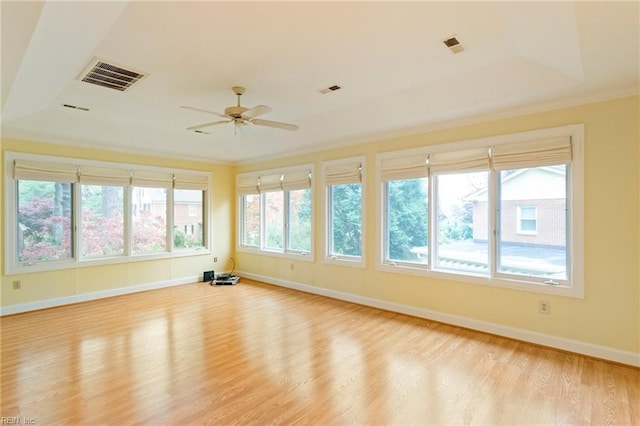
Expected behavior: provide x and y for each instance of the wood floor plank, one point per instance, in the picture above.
(259, 354)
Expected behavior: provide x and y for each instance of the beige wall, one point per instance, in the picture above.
(77, 281)
(608, 314)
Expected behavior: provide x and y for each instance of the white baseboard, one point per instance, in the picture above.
(576, 346)
(84, 297)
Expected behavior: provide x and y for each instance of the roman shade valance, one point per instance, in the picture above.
(459, 161)
(90, 175)
(534, 153)
(409, 167)
(270, 182)
(345, 173)
(45, 170)
(190, 181)
(248, 185)
(151, 179)
(298, 179)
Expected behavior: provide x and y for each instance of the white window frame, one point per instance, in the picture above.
(356, 165)
(573, 287)
(392, 166)
(12, 266)
(303, 171)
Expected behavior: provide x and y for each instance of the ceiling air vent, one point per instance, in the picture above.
(79, 108)
(330, 89)
(104, 74)
(454, 45)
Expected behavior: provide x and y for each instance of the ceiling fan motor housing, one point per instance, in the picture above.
(235, 111)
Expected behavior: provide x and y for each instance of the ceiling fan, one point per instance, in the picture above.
(240, 116)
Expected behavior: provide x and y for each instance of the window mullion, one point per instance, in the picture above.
(285, 221)
(169, 225)
(128, 221)
(494, 220)
(263, 222)
(432, 197)
(76, 225)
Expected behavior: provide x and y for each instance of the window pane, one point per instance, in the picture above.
(300, 220)
(533, 222)
(187, 218)
(527, 223)
(462, 222)
(102, 220)
(149, 221)
(251, 220)
(345, 227)
(274, 220)
(407, 216)
(44, 221)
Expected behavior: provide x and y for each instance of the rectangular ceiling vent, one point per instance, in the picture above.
(330, 89)
(104, 74)
(454, 45)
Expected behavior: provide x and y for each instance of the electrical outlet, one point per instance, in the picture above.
(544, 307)
(17, 285)
(215, 259)
(292, 266)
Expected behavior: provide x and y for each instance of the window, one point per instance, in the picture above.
(102, 220)
(273, 220)
(462, 228)
(405, 189)
(344, 207)
(299, 202)
(149, 224)
(406, 225)
(121, 211)
(44, 222)
(275, 211)
(530, 244)
(250, 211)
(527, 218)
(504, 211)
(345, 220)
(188, 209)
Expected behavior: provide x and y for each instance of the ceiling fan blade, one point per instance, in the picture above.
(256, 111)
(275, 124)
(203, 110)
(201, 126)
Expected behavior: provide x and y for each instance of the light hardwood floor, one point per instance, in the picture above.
(259, 354)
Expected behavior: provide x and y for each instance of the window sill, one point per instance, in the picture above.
(303, 256)
(90, 262)
(344, 261)
(501, 282)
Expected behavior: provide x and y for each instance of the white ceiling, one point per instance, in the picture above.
(397, 77)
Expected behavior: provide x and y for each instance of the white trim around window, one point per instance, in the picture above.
(90, 173)
(539, 149)
(343, 173)
(296, 239)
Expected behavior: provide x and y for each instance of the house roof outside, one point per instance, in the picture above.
(542, 190)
